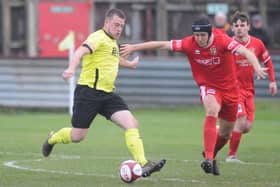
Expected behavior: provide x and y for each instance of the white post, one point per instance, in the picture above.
(71, 82)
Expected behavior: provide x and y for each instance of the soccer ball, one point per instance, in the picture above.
(130, 171)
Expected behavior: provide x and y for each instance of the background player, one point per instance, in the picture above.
(245, 76)
(213, 68)
(94, 92)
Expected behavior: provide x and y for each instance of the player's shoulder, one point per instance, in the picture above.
(98, 34)
(255, 39)
(186, 41)
(257, 42)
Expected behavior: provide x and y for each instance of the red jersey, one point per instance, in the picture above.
(245, 71)
(213, 66)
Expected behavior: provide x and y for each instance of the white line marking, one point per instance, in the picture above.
(16, 164)
(125, 158)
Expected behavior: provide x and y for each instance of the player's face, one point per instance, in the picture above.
(201, 38)
(114, 26)
(240, 29)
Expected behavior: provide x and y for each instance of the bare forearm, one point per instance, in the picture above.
(271, 74)
(151, 45)
(75, 62)
(78, 55)
(252, 59)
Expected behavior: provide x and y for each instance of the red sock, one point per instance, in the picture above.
(219, 144)
(210, 132)
(234, 142)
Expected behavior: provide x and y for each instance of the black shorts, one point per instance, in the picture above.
(88, 102)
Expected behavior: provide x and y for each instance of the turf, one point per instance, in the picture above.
(174, 134)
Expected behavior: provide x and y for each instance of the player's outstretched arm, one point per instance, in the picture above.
(127, 49)
(271, 75)
(78, 54)
(260, 71)
(129, 64)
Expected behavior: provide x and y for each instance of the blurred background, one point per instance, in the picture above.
(31, 30)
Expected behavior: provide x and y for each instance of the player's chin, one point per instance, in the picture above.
(117, 36)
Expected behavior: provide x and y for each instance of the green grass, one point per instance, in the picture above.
(174, 134)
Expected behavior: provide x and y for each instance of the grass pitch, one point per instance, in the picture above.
(174, 134)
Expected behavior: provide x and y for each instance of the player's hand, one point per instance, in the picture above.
(67, 74)
(273, 88)
(134, 62)
(126, 50)
(261, 72)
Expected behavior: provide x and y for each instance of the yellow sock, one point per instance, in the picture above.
(62, 136)
(135, 145)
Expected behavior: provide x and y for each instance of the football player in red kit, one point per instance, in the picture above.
(210, 55)
(245, 76)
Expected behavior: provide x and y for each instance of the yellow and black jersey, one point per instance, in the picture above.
(100, 68)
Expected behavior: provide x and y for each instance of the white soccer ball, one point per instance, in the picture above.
(130, 171)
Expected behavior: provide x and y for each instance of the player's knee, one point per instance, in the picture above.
(212, 112)
(226, 136)
(247, 129)
(134, 123)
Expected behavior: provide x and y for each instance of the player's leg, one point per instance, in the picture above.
(228, 117)
(212, 107)
(235, 139)
(250, 109)
(243, 125)
(117, 111)
(84, 111)
(223, 134)
(134, 142)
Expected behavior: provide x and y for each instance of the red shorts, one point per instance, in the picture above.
(246, 105)
(228, 101)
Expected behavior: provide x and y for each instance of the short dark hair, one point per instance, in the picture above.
(242, 16)
(114, 11)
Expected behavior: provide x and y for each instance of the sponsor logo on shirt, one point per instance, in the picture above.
(210, 61)
(115, 51)
(197, 52)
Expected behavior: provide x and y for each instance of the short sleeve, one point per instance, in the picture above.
(177, 45)
(181, 45)
(94, 40)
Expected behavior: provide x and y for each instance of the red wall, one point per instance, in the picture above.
(56, 19)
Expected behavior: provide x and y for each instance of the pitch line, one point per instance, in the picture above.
(126, 158)
(16, 164)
